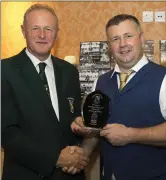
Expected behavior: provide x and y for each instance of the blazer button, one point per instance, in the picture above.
(40, 175)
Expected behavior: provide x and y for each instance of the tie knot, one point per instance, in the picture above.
(124, 76)
(42, 66)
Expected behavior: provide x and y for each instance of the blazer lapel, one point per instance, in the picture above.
(60, 81)
(31, 78)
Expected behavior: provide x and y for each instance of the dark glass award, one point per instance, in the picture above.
(96, 110)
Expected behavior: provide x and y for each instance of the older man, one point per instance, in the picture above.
(38, 106)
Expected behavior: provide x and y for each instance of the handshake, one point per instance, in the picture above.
(73, 159)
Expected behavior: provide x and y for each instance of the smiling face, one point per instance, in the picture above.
(40, 30)
(125, 42)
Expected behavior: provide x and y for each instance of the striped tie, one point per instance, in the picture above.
(43, 77)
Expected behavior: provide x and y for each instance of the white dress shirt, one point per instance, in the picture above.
(49, 71)
(136, 68)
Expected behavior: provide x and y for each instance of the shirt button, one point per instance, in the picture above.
(117, 100)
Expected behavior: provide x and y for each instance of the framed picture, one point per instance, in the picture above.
(148, 49)
(94, 61)
(163, 52)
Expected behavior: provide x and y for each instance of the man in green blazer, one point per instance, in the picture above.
(40, 99)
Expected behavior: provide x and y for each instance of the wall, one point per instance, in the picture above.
(85, 21)
(79, 21)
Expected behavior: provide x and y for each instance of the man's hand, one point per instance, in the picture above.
(73, 170)
(79, 128)
(117, 134)
(73, 156)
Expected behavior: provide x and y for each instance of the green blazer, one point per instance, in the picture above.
(32, 137)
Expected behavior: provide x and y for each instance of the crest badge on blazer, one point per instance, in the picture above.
(71, 104)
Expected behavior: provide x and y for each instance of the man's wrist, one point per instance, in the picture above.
(89, 145)
(133, 133)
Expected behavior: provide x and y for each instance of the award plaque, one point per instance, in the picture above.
(96, 110)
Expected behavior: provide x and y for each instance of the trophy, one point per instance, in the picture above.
(96, 111)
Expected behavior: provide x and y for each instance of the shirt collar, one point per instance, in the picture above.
(36, 61)
(136, 67)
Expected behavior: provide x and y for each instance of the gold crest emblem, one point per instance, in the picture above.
(71, 102)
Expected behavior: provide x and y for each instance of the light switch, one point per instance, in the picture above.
(147, 16)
